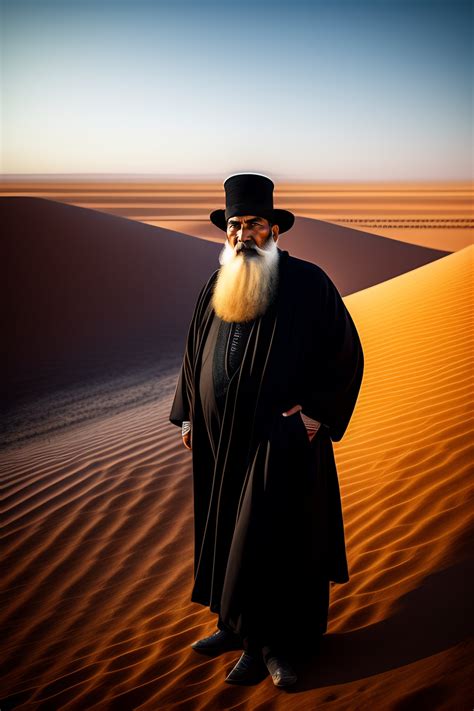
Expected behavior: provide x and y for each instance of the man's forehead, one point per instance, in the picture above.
(246, 218)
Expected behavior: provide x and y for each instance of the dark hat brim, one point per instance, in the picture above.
(283, 218)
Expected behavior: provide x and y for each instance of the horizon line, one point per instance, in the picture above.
(214, 178)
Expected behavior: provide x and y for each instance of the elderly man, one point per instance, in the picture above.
(270, 377)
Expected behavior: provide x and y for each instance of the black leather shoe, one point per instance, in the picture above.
(248, 670)
(281, 671)
(220, 641)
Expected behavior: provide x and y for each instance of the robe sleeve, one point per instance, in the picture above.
(336, 361)
(182, 407)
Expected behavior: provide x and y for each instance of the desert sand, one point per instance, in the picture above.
(354, 258)
(436, 215)
(89, 293)
(98, 539)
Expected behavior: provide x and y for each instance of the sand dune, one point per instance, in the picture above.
(355, 259)
(89, 293)
(436, 215)
(98, 540)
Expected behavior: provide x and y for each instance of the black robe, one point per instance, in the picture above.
(268, 525)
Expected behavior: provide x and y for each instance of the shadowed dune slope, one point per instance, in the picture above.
(88, 292)
(98, 540)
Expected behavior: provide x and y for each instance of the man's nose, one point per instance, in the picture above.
(243, 235)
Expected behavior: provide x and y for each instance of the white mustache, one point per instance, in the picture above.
(241, 246)
(228, 253)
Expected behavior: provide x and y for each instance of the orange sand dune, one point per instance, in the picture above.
(98, 540)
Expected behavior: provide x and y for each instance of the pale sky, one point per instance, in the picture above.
(320, 90)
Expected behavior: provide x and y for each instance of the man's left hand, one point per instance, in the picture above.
(291, 411)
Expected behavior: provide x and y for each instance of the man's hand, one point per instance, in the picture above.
(187, 440)
(291, 411)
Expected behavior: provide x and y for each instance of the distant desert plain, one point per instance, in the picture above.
(99, 283)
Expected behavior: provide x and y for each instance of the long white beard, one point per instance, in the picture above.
(246, 284)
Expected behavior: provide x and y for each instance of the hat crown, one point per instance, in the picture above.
(248, 194)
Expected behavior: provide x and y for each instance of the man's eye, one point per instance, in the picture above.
(236, 225)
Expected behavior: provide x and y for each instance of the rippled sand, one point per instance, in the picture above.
(98, 539)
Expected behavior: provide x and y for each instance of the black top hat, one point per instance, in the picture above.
(251, 194)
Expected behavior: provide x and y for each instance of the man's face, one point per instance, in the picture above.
(245, 232)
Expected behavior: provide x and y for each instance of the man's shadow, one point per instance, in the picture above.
(434, 617)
